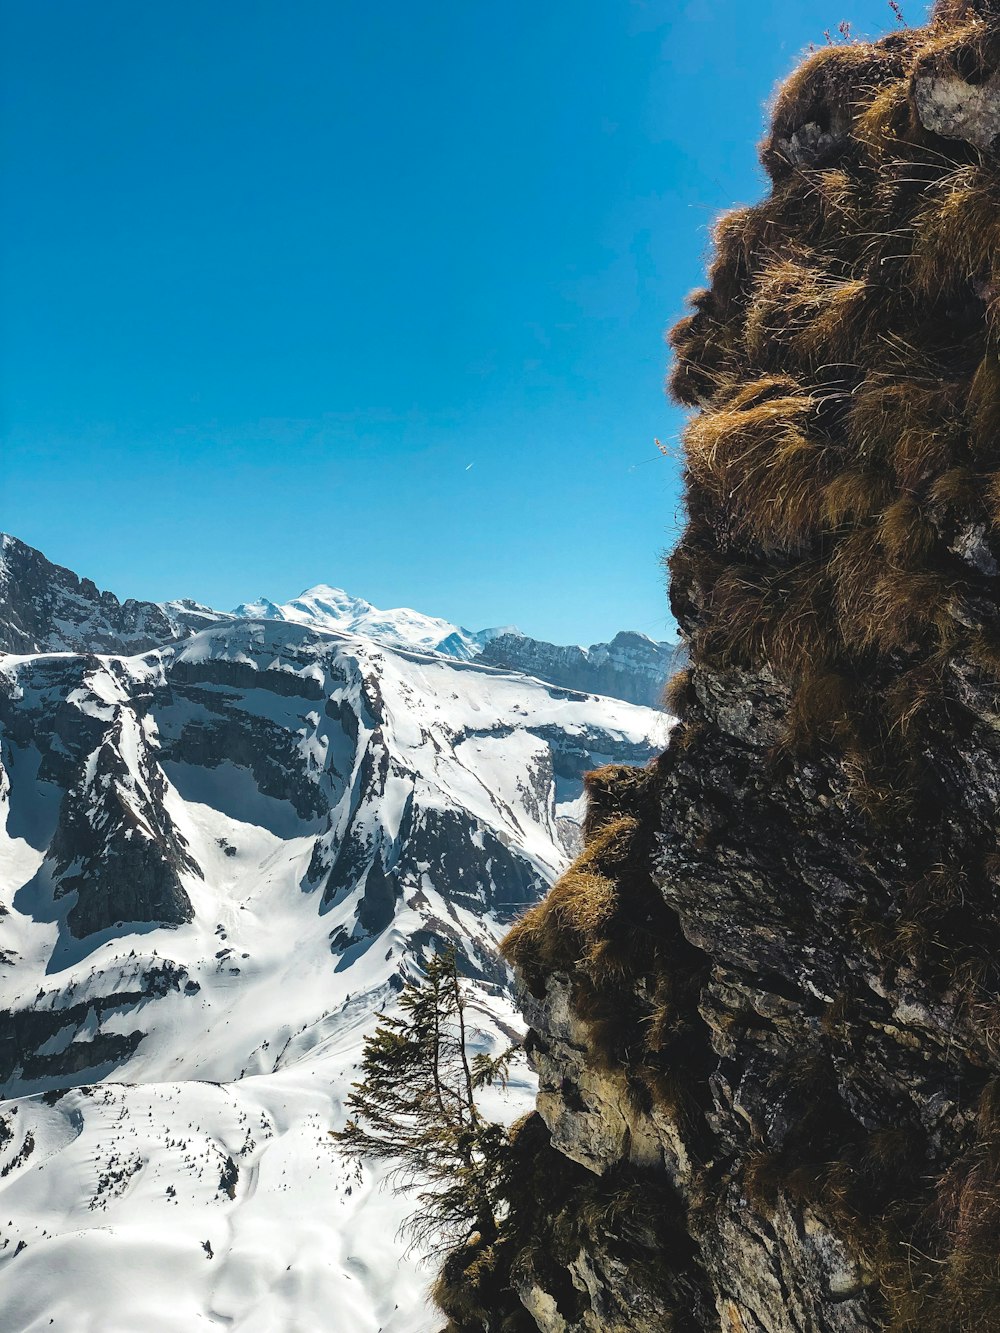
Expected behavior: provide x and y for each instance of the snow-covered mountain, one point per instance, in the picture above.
(219, 859)
(324, 607)
(47, 608)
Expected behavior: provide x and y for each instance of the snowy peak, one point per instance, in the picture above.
(260, 609)
(324, 602)
(324, 607)
(45, 608)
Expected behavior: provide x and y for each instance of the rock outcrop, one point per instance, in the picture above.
(116, 846)
(764, 1003)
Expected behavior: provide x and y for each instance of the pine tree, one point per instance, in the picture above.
(415, 1104)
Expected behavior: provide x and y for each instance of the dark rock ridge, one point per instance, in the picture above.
(765, 1001)
(46, 608)
(631, 666)
(115, 845)
(61, 1036)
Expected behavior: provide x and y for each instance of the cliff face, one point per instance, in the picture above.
(45, 608)
(631, 667)
(764, 1003)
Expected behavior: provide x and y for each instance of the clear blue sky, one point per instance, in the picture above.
(276, 272)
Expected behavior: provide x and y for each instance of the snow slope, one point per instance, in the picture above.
(218, 860)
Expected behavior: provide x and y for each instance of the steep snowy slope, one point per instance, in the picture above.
(324, 607)
(219, 859)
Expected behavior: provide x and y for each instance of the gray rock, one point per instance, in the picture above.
(949, 106)
(631, 667)
(47, 608)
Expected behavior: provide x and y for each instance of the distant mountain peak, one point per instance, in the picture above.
(326, 607)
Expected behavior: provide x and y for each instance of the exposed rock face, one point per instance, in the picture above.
(115, 846)
(54, 1039)
(958, 110)
(46, 608)
(764, 1000)
(631, 666)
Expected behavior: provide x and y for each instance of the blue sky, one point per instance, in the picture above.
(300, 291)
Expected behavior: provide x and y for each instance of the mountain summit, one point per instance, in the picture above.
(323, 607)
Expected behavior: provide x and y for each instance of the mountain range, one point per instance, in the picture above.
(227, 840)
(47, 608)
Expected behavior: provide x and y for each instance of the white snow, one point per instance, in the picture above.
(323, 607)
(109, 1192)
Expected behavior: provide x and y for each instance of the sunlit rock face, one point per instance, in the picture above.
(763, 1001)
(46, 608)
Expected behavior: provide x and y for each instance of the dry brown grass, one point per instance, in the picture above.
(780, 622)
(888, 126)
(736, 237)
(615, 791)
(849, 437)
(956, 234)
(915, 693)
(958, 489)
(991, 497)
(829, 89)
(841, 204)
(983, 408)
(964, 40)
(700, 352)
(907, 424)
(678, 693)
(788, 295)
(566, 927)
(837, 274)
(853, 496)
(823, 710)
(907, 534)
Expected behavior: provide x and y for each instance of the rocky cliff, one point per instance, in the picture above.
(764, 1001)
(632, 666)
(47, 608)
